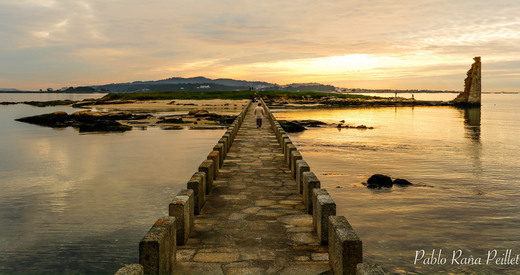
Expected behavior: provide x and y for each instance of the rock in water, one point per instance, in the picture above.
(378, 181)
(55, 120)
(84, 121)
(291, 126)
(170, 120)
(402, 182)
(198, 112)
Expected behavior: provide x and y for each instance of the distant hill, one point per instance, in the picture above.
(206, 84)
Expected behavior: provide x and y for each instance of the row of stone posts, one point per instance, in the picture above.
(344, 246)
(157, 249)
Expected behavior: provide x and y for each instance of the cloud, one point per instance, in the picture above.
(94, 41)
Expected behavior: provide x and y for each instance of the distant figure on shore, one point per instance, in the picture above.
(259, 114)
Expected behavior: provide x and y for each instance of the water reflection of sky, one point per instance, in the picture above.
(76, 203)
(462, 161)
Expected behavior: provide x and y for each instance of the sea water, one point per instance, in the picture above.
(464, 164)
(80, 203)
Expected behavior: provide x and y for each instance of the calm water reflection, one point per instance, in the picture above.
(462, 160)
(74, 203)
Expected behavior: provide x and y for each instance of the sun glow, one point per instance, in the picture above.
(329, 65)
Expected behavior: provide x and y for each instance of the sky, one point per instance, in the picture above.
(373, 44)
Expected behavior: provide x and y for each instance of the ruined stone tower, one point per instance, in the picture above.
(472, 90)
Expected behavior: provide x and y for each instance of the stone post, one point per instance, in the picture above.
(227, 136)
(286, 140)
(301, 166)
(214, 156)
(207, 167)
(224, 141)
(182, 208)
(288, 150)
(323, 208)
(157, 249)
(220, 148)
(345, 247)
(197, 183)
(310, 181)
(295, 156)
(131, 269)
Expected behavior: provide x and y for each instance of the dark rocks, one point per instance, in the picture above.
(295, 126)
(170, 120)
(50, 103)
(402, 182)
(85, 121)
(92, 117)
(226, 120)
(378, 181)
(359, 127)
(311, 123)
(291, 126)
(198, 112)
(103, 126)
(55, 120)
(172, 128)
(43, 103)
(91, 102)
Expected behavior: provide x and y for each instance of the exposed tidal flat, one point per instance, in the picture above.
(80, 203)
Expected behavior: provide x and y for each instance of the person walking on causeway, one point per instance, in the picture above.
(259, 114)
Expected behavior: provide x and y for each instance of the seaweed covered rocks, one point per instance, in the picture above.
(85, 121)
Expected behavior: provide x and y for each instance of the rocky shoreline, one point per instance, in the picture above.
(123, 115)
(95, 121)
(353, 102)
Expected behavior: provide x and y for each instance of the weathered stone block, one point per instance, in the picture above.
(214, 156)
(221, 155)
(197, 183)
(227, 136)
(288, 150)
(345, 247)
(182, 208)
(282, 138)
(369, 269)
(207, 167)
(315, 193)
(233, 130)
(224, 142)
(230, 133)
(295, 156)
(301, 166)
(310, 181)
(131, 269)
(285, 142)
(157, 249)
(323, 207)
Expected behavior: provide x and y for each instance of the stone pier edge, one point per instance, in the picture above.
(181, 211)
(345, 247)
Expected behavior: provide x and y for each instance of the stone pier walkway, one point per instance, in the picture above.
(253, 221)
